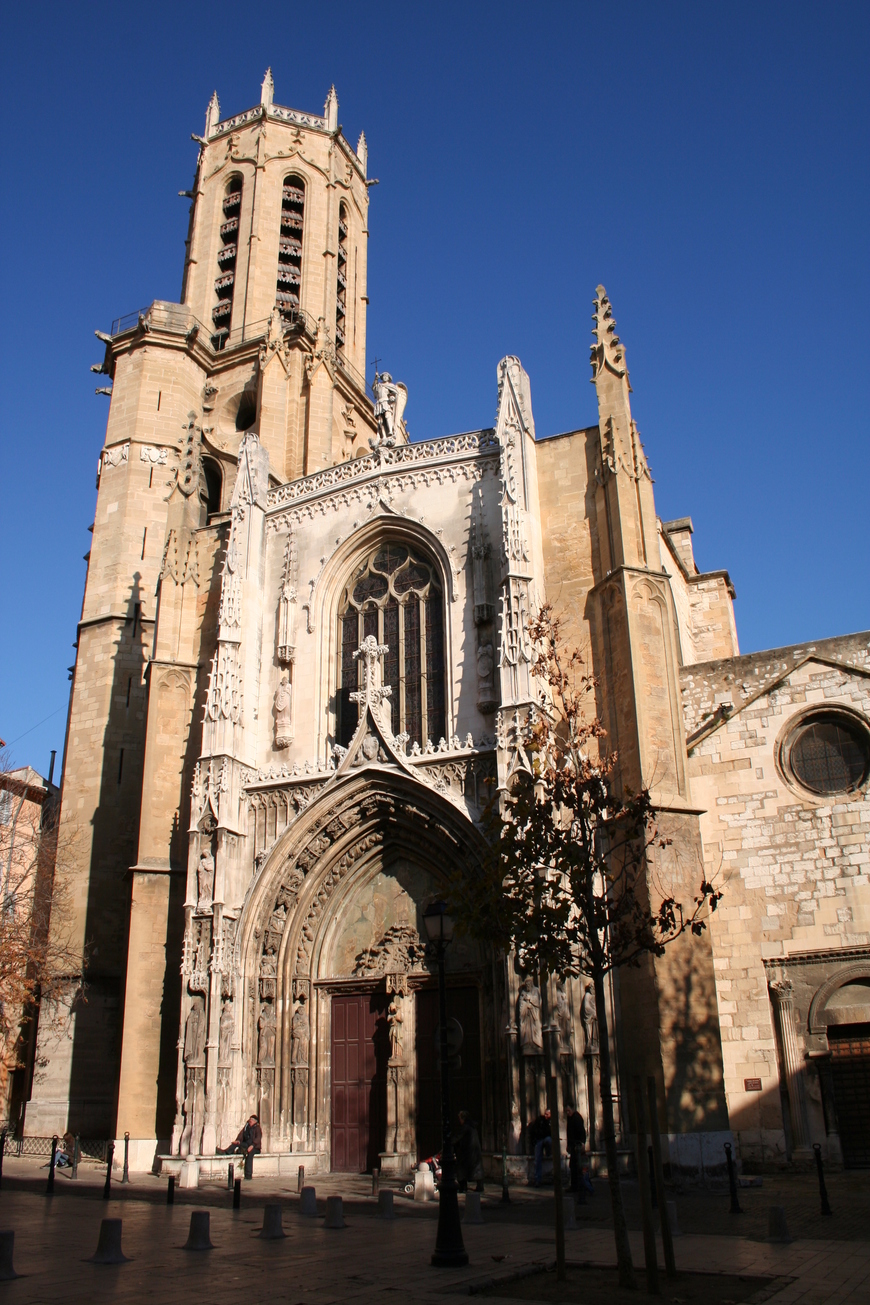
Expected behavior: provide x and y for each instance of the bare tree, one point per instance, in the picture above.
(41, 970)
(571, 884)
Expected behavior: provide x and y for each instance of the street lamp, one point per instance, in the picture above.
(450, 1249)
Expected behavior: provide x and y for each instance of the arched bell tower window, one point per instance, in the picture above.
(395, 594)
(289, 287)
(341, 295)
(225, 283)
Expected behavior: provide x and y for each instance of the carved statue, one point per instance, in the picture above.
(194, 1034)
(529, 1009)
(205, 880)
(390, 400)
(395, 1020)
(266, 1041)
(300, 1034)
(589, 1017)
(563, 1019)
(283, 724)
(226, 1034)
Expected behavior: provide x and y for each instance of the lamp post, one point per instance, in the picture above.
(450, 1249)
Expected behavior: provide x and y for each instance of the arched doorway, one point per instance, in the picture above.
(841, 1009)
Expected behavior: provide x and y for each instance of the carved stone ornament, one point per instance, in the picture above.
(589, 1020)
(116, 455)
(607, 351)
(205, 880)
(300, 1033)
(529, 1018)
(195, 1034)
(154, 456)
(399, 951)
(225, 1041)
(284, 713)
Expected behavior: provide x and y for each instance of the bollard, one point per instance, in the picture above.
(505, 1193)
(424, 1183)
(198, 1238)
(125, 1176)
(109, 1246)
(273, 1226)
(823, 1191)
(334, 1213)
(671, 1207)
(777, 1227)
(300, 1178)
(472, 1208)
(49, 1186)
(308, 1202)
(77, 1151)
(237, 1194)
(249, 1164)
(732, 1180)
(385, 1206)
(107, 1186)
(376, 1181)
(170, 1190)
(2, 1151)
(7, 1248)
(231, 1177)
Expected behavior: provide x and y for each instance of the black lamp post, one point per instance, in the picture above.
(450, 1249)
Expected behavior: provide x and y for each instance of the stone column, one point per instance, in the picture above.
(782, 996)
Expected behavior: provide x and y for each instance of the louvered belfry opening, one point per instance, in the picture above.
(225, 284)
(396, 595)
(289, 285)
(341, 295)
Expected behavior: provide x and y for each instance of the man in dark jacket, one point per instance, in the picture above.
(576, 1144)
(248, 1143)
(468, 1152)
(540, 1138)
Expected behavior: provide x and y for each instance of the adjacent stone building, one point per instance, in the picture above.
(303, 653)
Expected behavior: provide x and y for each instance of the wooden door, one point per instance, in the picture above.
(466, 1088)
(850, 1072)
(360, 1050)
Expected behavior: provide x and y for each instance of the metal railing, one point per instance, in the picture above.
(38, 1147)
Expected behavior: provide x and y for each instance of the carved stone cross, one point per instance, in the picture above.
(373, 693)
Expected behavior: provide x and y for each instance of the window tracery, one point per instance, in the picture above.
(395, 595)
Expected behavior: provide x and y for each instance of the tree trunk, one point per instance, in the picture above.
(620, 1229)
(555, 1128)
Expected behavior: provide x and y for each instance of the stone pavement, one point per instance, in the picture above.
(369, 1260)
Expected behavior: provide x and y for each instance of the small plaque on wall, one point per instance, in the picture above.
(752, 1085)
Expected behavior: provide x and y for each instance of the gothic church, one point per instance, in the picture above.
(303, 654)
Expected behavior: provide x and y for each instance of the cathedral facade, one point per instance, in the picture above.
(302, 664)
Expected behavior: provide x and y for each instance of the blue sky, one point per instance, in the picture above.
(707, 163)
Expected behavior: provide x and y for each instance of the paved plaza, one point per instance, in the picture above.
(828, 1262)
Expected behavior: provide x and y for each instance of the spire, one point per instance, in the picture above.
(607, 351)
(362, 152)
(267, 90)
(212, 114)
(330, 110)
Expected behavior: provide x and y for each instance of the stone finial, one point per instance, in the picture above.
(607, 351)
(362, 152)
(330, 110)
(373, 692)
(267, 90)
(212, 114)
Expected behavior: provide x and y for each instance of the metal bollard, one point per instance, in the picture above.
(505, 1193)
(77, 1151)
(300, 1178)
(170, 1190)
(823, 1191)
(49, 1186)
(237, 1194)
(376, 1180)
(107, 1186)
(231, 1177)
(125, 1176)
(732, 1181)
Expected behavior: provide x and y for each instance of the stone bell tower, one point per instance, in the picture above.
(269, 337)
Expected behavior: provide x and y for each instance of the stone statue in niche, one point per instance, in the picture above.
(529, 1010)
(486, 700)
(562, 1019)
(226, 1035)
(194, 1034)
(300, 1034)
(395, 1020)
(283, 723)
(589, 1018)
(266, 1040)
(205, 880)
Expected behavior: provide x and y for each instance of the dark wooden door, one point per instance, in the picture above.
(360, 1050)
(850, 1071)
(466, 1088)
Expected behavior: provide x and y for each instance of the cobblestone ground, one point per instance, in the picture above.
(369, 1260)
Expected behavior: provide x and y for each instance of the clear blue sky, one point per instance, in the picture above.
(707, 163)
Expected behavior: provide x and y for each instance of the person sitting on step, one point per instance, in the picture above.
(248, 1143)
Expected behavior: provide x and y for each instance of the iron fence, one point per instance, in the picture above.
(40, 1147)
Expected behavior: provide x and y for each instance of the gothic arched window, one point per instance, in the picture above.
(289, 287)
(213, 485)
(341, 295)
(395, 594)
(225, 283)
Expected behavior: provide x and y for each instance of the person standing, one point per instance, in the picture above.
(576, 1130)
(540, 1136)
